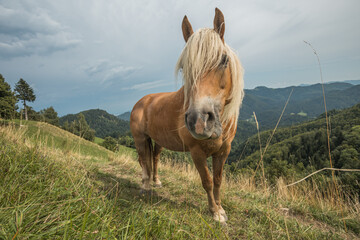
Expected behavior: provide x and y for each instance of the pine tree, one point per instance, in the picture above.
(50, 116)
(84, 129)
(7, 100)
(24, 93)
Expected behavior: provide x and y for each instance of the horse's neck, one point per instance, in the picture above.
(180, 96)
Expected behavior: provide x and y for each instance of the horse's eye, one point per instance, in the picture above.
(224, 60)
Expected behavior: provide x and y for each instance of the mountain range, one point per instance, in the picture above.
(305, 103)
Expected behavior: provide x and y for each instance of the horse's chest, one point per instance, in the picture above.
(210, 146)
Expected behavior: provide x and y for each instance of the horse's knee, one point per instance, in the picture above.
(217, 182)
(208, 185)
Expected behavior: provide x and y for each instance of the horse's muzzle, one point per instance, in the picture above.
(203, 124)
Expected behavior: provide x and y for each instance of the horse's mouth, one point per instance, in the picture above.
(212, 135)
(200, 136)
(201, 129)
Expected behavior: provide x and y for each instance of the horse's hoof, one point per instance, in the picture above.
(224, 216)
(158, 185)
(223, 213)
(220, 218)
(223, 224)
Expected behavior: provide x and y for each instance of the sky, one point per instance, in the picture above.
(87, 54)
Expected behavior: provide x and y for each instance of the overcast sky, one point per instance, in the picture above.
(80, 55)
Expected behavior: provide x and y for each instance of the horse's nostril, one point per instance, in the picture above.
(211, 116)
(186, 118)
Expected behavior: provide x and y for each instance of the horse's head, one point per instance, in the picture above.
(212, 78)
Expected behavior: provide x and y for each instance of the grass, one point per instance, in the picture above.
(98, 140)
(54, 185)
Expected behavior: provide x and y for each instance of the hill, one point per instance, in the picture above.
(104, 124)
(306, 102)
(125, 116)
(353, 82)
(56, 185)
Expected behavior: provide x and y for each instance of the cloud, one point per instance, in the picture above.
(148, 85)
(106, 47)
(107, 70)
(30, 31)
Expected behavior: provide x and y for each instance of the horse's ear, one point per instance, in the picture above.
(186, 28)
(219, 23)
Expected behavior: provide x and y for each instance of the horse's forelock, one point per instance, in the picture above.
(202, 53)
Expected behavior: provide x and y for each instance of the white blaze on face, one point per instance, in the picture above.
(202, 118)
(205, 104)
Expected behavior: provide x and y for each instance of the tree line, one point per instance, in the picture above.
(25, 93)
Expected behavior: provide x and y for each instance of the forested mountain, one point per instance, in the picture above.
(125, 116)
(105, 124)
(300, 149)
(306, 102)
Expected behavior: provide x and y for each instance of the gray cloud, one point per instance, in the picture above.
(24, 32)
(106, 70)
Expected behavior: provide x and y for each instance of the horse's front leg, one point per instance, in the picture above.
(156, 157)
(218, 161)
(199, 159)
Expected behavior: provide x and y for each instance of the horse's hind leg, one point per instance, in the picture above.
(144, 149)
(156, 157)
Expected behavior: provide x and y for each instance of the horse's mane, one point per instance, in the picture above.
(202, 53)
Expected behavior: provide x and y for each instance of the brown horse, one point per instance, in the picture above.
(201, 117)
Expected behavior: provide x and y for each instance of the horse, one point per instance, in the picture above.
(200, 118)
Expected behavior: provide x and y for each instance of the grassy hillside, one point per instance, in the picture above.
(301, 149)
(54, 185)
(104, 124)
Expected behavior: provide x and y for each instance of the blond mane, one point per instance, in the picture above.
(202, 53)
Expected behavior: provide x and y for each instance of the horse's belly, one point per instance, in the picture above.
(169, 139)
(173, 146)
(181, 141)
